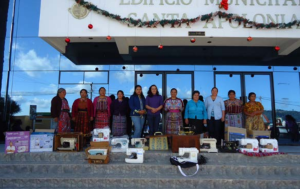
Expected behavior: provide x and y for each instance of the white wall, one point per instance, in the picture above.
(56, 21)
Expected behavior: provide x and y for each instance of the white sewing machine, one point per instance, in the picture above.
(67, 143)
(119, 144)
(188, 154)
(138, 142)
(208, 145)
(136, 155)
(248, 145)
(100, 135)
(268, 145)
(102, 152)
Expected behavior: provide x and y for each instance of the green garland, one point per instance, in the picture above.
(178, 22)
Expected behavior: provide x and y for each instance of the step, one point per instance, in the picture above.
(151, 156)
(158, 170)
(117, 182)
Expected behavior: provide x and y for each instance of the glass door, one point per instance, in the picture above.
(165, 81)
(246, 82)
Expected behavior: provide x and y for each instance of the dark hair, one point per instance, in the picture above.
(134, 93)
(231, 91)
(290, 118)
(112, 97)
(185, 102)
(83, 90)
(150, 93)
(195, 93)
(27, 128)
(59, 91)
(201, 98)
(215, 88)
(173, 89)
(120, 91)
(250, 94)
(102, 88)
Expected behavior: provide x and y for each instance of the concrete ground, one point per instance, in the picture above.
(286, 149)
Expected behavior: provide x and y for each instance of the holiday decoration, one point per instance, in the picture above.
(135, 49)
(108, 38)
(224, 4)
(193, 40)
(90, 26)
(249, 39)
(178, 22)
(160, 46)
(277, 48)
(67, 40)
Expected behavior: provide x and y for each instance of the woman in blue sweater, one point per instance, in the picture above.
(195, 113)
(137, 111)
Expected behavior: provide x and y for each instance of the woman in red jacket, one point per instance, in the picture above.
(82, 113)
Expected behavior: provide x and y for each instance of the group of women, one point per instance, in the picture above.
(202, 116)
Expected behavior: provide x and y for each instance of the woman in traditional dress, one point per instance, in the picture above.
(233, 111)
(60, 111)
(137, 111)
(195, 113)
(119, 109)
(173, 106)
(102, 109)
(82, 113)
(253, 111)
(154, 103)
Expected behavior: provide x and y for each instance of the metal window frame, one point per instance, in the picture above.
(84, 71)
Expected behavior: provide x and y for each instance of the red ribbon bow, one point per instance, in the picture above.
(224, 4)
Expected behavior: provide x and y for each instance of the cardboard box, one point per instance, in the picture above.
(77, 135)
(260, 134)
(98, 159)
(234, 133)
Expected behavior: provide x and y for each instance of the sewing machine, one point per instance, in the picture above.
(136, 155)
(102, 152)
(248, 145)
(268, 145)
(67, 143)
(188, 154)
(208, 145)
(119, 144)
(138, 142)
(100, 135)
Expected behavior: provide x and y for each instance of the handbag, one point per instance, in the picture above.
(187, 164)
(158, 142)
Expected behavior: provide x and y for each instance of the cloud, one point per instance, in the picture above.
(124, 76)
(19, 99)
(31, 61)
(41, 103)
(66, 64)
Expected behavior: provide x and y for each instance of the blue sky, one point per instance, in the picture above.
(36, 66)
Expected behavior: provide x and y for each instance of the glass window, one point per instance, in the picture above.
(121, 80)
(121, 67)
(286, 88)
(71, 77)
(243, 68)
(165, 67)
(96, 77)
(28, 18)
(285, 69)
(35, 54)
(34, 88)
(204, 82)
(204, 68)
(183, 84)
(226, 82)
(66, 64)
